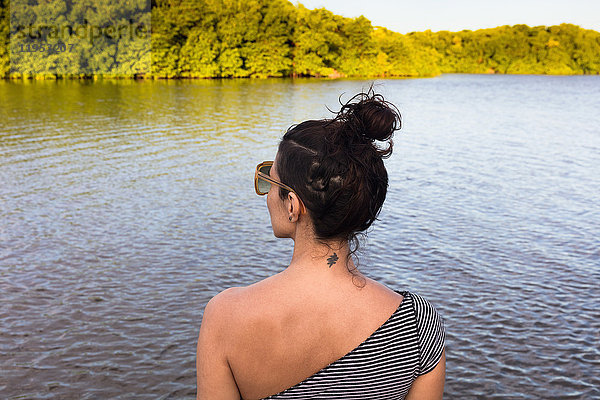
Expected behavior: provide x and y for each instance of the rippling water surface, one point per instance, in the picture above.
(125, 206)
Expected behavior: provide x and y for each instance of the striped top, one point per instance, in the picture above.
(407, 345)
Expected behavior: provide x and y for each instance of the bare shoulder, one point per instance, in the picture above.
(242, 321)
(223, 306)
(383, 291)
(226, 298)
(214, 376)
(231, 307)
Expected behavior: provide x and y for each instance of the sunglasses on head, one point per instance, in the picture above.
(263, 180)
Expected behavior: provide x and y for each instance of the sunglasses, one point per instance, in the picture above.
(263, 180)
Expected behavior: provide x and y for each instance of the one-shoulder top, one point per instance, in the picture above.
(407, 345)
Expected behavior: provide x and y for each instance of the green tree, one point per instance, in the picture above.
(358, 56)
(4, 38)
(269, 38)
(317, 42)
(171, 23)
(267, 50)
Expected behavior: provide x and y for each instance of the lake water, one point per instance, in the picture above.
(125, 206)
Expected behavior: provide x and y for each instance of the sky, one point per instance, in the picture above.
(455, 15)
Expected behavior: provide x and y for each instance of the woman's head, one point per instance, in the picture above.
(336, 168)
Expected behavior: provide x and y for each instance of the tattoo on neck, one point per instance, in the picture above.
(332, 260)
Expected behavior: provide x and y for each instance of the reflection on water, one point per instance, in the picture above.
(126, 206)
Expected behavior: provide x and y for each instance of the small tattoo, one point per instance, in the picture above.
(332, 260)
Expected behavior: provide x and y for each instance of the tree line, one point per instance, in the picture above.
(274, 38)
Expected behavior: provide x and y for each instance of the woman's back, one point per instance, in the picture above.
(283, 331)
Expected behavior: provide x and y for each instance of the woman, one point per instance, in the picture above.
(320, 329)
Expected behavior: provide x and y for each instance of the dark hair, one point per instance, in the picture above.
(336, 168)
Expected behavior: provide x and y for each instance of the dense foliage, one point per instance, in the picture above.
(264, 38)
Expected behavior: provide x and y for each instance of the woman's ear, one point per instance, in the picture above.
(294, 205)
(291, 199)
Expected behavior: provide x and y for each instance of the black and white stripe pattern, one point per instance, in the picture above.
(408, 344)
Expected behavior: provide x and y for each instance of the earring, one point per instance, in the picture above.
(290, 218)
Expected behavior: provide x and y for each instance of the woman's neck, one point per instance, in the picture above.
(322, 260)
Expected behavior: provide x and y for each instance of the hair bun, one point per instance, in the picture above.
(378, 119)
(368, 117)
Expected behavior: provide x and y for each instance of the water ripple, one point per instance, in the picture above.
(126, 206)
